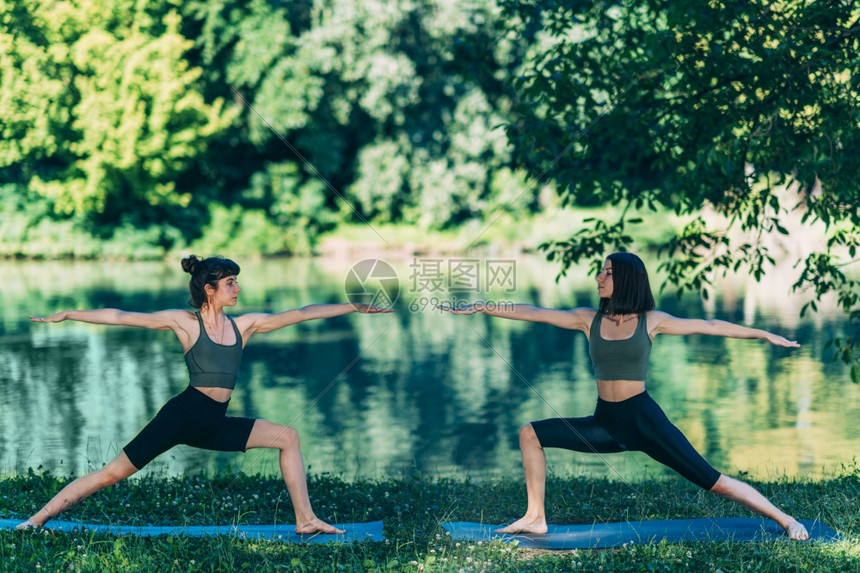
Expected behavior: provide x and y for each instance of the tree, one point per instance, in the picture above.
(162, 118)
(101, 113)
(746, 109)
(395, 104)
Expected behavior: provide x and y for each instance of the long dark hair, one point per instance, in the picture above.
(631, 291)
(204, 272)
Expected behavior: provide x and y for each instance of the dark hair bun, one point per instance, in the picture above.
(189, 264)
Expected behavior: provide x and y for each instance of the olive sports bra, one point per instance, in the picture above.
(620, 359)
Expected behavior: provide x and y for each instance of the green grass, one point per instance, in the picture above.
(412, 508)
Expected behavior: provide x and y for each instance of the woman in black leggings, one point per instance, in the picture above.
(626, 418)
(213, 344)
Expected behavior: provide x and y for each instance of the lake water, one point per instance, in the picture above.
(381, 395)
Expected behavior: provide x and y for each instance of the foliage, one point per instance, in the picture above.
(106, 92)
(742, 116)
(412, 508)
(145, 119)
(375, 100)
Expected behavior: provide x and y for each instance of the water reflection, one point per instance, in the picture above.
(377, 395)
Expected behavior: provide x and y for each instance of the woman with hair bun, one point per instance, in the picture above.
(213, 343)
(626, 418)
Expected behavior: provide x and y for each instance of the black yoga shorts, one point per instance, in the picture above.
(190, 418)
(635, 424)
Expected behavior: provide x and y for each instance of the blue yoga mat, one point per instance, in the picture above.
(602, 535)
(371, 531)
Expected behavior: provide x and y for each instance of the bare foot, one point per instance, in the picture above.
(795, 530)
(525, 524)
(316, 525)
(29, 524)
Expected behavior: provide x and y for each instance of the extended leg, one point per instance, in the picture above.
(749, 497)
(664, 442)
(534, 467)
(268, 435)
(83, 487)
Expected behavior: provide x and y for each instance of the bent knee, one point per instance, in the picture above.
(288, 438)
(528, 434)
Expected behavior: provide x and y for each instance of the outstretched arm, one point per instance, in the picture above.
(664, 323)
(575, 319)
(162, 320)
(254, 323)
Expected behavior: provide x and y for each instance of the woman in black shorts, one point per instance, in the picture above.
(626, 418)
(213, 344)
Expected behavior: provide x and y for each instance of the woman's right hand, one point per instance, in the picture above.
(778, 340)
(56, 317)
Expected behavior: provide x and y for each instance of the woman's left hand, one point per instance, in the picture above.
(56, 317)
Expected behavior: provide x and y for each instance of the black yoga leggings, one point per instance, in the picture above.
(635, 424)
(190, 418)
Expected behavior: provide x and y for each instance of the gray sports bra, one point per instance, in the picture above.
(214, 365)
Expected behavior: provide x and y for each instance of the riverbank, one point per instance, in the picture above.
(502, 233)
(412, 508)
